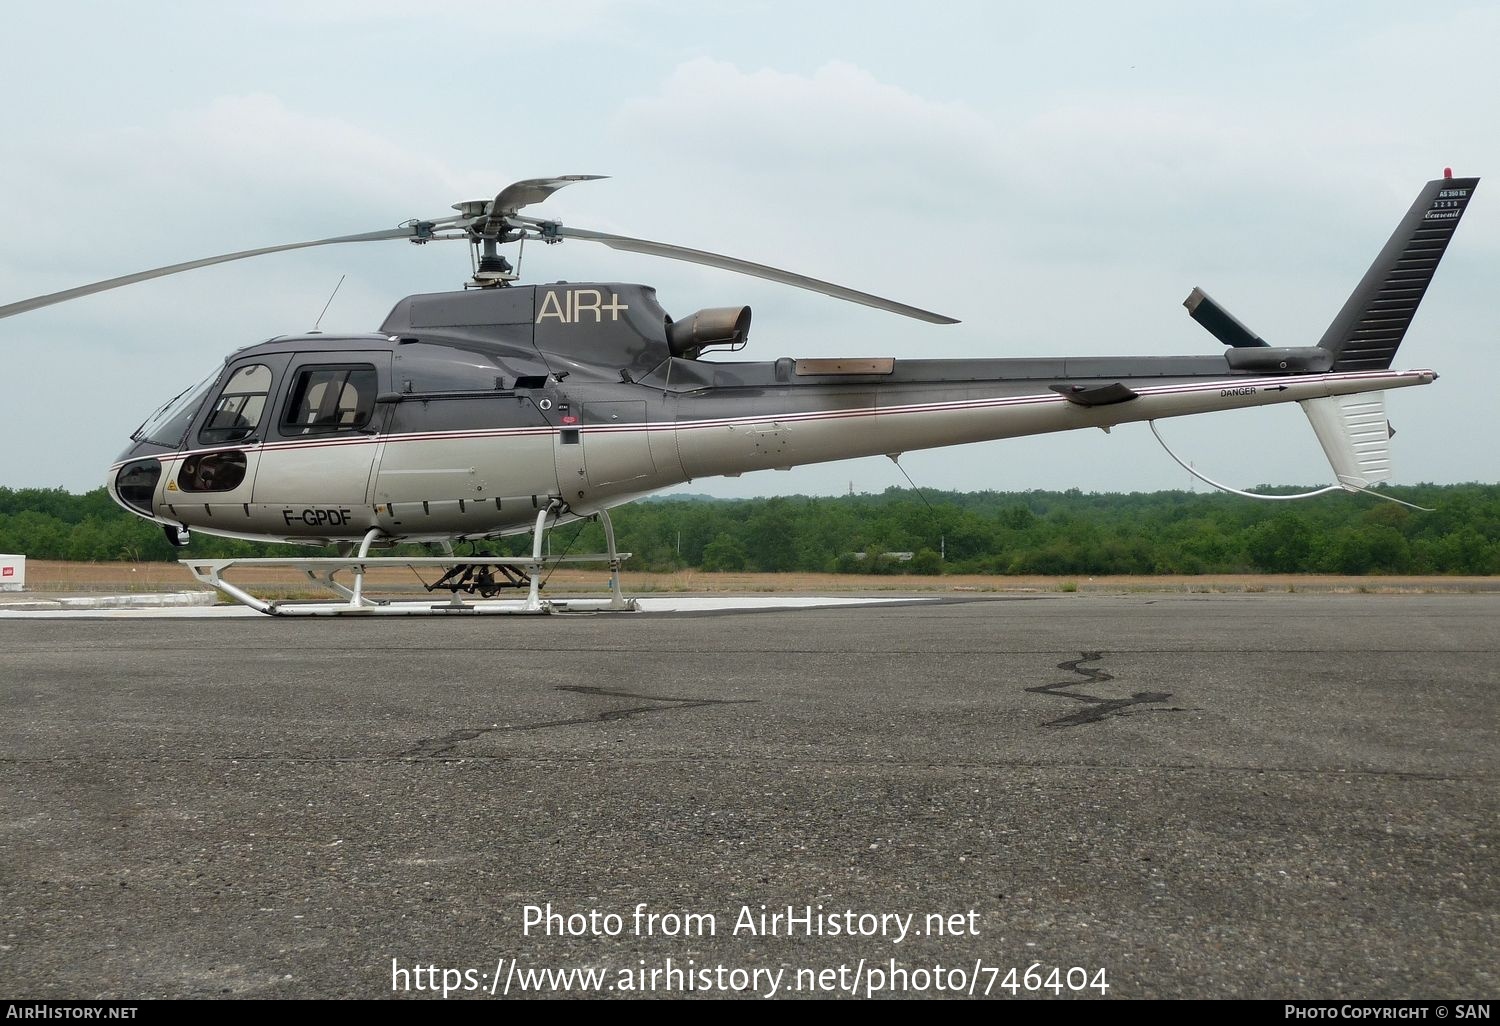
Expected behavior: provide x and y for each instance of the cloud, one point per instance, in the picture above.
(544, 21)
(834, 172)
(802, 126)
(233, 173)
(254, 152)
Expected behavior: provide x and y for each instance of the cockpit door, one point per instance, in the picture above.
(322, 437)
(212, 479)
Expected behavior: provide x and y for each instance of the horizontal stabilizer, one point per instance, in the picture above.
(1355, 436)
(1221, 324)
(1102, 395)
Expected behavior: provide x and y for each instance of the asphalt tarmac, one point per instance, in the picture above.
(1267, 796)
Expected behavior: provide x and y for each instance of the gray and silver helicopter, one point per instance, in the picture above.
(506, 408)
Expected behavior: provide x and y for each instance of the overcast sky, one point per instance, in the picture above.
(1058, 176)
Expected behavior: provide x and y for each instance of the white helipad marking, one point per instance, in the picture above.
(651, 604)
(700, 604)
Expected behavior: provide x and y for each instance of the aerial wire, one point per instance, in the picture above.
(942, 537)
(1277, 498)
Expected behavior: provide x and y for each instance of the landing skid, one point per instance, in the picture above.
(462, 575)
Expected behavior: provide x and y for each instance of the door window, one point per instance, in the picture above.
(325, 400)
(236, 413)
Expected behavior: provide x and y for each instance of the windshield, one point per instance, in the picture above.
(170, 422)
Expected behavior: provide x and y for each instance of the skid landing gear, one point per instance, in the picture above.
(462, 576)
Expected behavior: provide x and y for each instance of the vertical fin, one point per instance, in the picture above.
(1367, 331)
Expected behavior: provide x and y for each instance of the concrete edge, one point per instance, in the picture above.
(143, 600)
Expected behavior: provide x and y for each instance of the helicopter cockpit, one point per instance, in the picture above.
(169, 422)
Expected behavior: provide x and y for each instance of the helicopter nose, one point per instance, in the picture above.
(134, 485)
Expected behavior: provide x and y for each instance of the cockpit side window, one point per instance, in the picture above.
(327, 400)
(236, 413)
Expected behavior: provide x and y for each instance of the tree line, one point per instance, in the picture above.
(898, 531)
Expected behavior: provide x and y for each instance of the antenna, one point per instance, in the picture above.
(326, 305)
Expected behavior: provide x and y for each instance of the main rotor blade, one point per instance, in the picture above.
(37, 302)
(532, 190)
(728, 263)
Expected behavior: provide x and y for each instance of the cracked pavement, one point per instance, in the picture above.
(1210, 796)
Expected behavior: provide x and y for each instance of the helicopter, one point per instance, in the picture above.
(504, 408)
